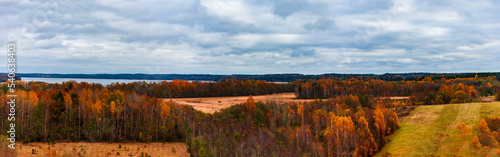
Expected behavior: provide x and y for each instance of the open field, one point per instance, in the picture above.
(103, 149)
(396, 97)
(431, 131)
(212, 104)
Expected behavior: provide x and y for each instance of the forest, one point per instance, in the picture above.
(189, 89)
(354, 118)
(429, 90)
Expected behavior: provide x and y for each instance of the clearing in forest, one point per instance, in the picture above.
(169, 149)
(212, 104)
(431, 131)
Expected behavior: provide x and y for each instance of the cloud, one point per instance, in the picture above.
(237, 36)
(320, 24)
(303, 52)
(284, 8)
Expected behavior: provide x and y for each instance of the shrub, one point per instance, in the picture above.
(475, 142)
(462, 129)
(485, 136)
(26, 141)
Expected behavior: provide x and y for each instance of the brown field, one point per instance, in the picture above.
(212, 104)
(396, 97)
(103, 149)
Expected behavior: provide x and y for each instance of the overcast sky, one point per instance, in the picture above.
(252, 36)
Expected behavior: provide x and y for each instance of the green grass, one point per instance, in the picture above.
(431, 131)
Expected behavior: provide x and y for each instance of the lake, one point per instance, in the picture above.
(101, 81)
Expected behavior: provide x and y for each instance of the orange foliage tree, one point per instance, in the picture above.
(485, 136)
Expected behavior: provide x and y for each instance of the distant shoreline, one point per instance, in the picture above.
(265, 77)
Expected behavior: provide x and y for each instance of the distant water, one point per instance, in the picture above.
(104, 82)
(101, 81)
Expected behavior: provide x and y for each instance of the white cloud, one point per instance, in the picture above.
(235, 36)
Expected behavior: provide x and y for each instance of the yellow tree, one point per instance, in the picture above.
(379, 131)
(343, 133)
(300, 112)
(165, 110)
(68, 106)
(96, 109)
(112, 108)
(250, 104)
(366, 144)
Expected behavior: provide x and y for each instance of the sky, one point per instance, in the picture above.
(252, 36)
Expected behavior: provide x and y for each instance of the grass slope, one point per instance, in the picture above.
(431, 131)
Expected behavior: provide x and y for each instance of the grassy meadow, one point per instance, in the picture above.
(432, 131)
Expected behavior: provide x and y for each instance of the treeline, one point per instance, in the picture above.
(267, 77)
(89, 112)
(185, 89)
(429, 90)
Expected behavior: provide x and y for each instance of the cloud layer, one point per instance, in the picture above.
(252, 37)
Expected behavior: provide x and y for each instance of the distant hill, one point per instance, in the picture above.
(5, 77)
(266, 77)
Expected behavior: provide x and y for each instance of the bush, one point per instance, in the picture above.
(462, 129)
(475, 142)
(485, 136)
(498, 96)
(26, 141)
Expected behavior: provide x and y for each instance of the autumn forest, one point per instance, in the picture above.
(346, 116)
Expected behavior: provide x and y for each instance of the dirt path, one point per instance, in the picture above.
(104, 149)
(212, 104)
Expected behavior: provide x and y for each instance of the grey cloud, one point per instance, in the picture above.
(285, 8)
(303, 52)
(320, 24)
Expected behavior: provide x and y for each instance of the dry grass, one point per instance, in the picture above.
(397, 97)
(212, 104)
(103, 149)
(424, 115)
